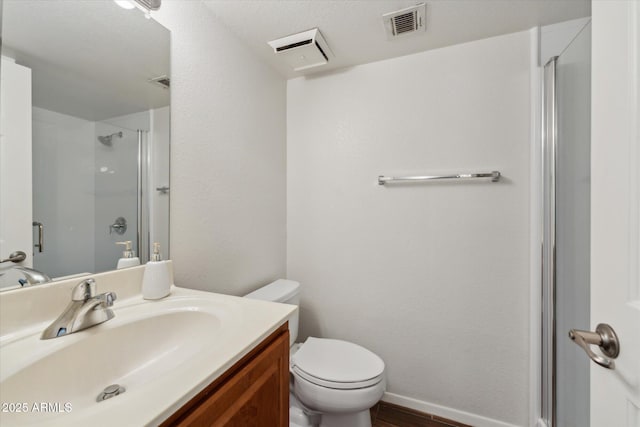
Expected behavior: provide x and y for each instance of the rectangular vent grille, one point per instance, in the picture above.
(293, 45)
(405, 23)
(326, 58)
(162, 81)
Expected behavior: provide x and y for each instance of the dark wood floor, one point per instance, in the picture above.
(389, 415)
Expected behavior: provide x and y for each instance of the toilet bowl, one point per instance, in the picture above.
(334, 382)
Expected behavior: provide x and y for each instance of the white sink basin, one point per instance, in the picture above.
(161, 352)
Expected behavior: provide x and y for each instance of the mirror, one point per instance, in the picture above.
(85, 136)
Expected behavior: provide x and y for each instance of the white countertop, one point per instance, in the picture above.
(206, 333)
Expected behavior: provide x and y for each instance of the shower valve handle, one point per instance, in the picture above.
(605, 338)
(119, 226)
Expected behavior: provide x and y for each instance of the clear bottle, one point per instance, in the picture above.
(156, 281)
(129, 258)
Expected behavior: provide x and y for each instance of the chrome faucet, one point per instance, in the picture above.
(85, 310)
(31, 276)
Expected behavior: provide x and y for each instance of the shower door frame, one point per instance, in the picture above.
(549, 153)
(143, 194)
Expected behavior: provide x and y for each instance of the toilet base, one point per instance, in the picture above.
(353, 419)
(299, 417)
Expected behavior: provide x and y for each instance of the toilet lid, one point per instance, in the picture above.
(337, 364)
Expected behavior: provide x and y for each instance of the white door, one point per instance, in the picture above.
(16, 230)
(615, 207)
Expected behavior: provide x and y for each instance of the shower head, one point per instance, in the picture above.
(106, 139)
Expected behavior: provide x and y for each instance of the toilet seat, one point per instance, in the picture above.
(337, 364)
(334, 384)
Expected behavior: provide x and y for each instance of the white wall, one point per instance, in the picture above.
(63, 192)
(432, 277)
(159, 177)
(140, 120)
(15, 164)
(228, 154)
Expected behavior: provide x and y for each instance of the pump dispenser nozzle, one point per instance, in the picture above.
(129, 259)
(128, 252)
(156, 252)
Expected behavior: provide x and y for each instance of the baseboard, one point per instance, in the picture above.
(541, 423)
(443, 411)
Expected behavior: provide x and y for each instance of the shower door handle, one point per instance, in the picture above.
(40, 226)
(605, 338)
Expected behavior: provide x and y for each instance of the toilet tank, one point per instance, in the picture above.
(284, 291)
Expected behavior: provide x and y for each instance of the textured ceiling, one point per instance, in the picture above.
(355, 33)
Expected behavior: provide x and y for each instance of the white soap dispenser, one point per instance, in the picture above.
(156, 281)
(129, 259)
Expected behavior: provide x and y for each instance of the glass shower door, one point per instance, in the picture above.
(573, 73)
(566, 263)
(116, 193)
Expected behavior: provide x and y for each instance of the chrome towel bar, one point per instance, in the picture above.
(382, 180)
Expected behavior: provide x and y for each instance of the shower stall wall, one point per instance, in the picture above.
(63, 180)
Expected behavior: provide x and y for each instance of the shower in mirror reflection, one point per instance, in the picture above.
(108, 139)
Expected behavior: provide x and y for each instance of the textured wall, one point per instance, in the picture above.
(432, 277)
(228, 136)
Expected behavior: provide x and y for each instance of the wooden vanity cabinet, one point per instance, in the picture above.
(253, 392)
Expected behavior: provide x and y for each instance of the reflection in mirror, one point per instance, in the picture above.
(85, 136)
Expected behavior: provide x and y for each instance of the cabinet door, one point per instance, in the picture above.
(256, 396)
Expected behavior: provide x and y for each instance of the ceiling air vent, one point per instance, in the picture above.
(303, 50)
(404, 22)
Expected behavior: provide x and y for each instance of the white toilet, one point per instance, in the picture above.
(334, 382)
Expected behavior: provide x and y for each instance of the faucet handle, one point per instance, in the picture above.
(108, 298)
(84, 290)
